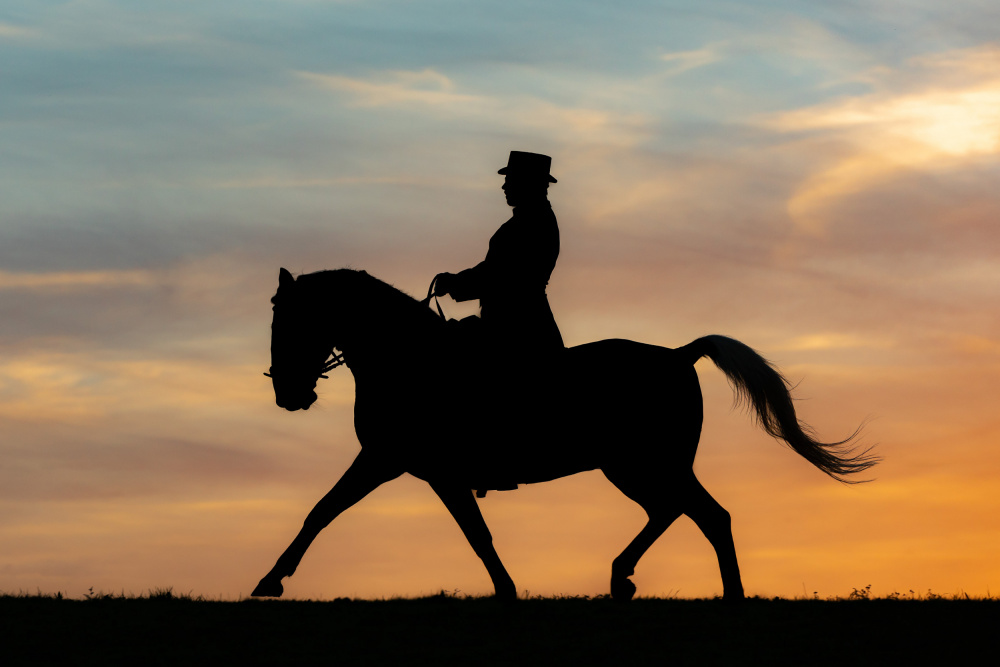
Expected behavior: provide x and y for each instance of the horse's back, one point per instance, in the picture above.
(640, 372)
(629, 350)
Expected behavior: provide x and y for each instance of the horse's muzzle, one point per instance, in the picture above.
(292, 404)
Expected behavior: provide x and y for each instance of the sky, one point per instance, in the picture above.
(812, 179)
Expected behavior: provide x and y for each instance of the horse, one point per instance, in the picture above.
(631, 410)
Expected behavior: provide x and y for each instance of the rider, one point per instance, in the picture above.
(510, 282)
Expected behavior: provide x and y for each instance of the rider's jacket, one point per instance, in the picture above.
(510, 282)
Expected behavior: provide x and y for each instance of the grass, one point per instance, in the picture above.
(161, 627)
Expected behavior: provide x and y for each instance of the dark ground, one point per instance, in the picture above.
(161, 629)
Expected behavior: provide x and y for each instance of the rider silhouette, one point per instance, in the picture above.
(510, 283)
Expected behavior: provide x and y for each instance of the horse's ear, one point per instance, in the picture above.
(285, 278)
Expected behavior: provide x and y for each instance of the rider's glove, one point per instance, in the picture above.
(442, 284)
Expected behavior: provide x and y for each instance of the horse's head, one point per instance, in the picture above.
(300, 346)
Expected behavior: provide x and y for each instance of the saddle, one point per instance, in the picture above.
(491, 369)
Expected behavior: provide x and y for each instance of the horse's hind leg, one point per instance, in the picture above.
(714, 521)
(662, 507)
(622, 588)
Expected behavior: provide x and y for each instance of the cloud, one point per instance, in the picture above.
(64, 385)
(684, 61)
(8, 30)
(70, 280)
(948, 123)
(945, 117)
(835, 341)
(397, 88)
(283, 183)
(436, 96)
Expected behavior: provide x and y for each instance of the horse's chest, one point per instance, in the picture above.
(384, 419)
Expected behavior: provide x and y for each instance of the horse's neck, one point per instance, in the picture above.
(372, 350)
(384, 333)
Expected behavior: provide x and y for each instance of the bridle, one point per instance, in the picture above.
(336, 359)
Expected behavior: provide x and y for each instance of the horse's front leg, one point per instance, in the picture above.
(463, 506)
(363, 477)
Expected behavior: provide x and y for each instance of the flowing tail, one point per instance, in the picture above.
(759, 384)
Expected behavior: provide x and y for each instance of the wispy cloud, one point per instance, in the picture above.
(8, 30)
(69, 280)
(951, 117)
(955, 123)
(683, 61)
(835, 341)
(291, 183)
(432, 93)
(395, 88)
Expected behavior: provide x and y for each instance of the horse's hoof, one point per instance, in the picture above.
(505, 595)
(268, 588)
(622, 590)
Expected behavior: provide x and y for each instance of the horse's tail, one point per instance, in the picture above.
(759, 384)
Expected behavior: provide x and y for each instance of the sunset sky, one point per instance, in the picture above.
(817, 180)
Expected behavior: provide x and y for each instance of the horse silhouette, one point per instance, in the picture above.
(633, 411)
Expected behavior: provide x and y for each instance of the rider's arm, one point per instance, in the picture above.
(468, 284)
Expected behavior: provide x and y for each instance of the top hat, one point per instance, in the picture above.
(529, 165)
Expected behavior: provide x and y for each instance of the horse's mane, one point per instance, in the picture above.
(382, 297)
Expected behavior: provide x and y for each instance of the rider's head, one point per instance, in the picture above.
(520, 190)
(527, 177)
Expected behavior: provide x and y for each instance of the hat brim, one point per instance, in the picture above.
(506, 170)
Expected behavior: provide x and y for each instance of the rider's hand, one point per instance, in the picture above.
(442, 284)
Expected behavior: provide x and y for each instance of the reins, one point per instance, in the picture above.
(432, 295)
